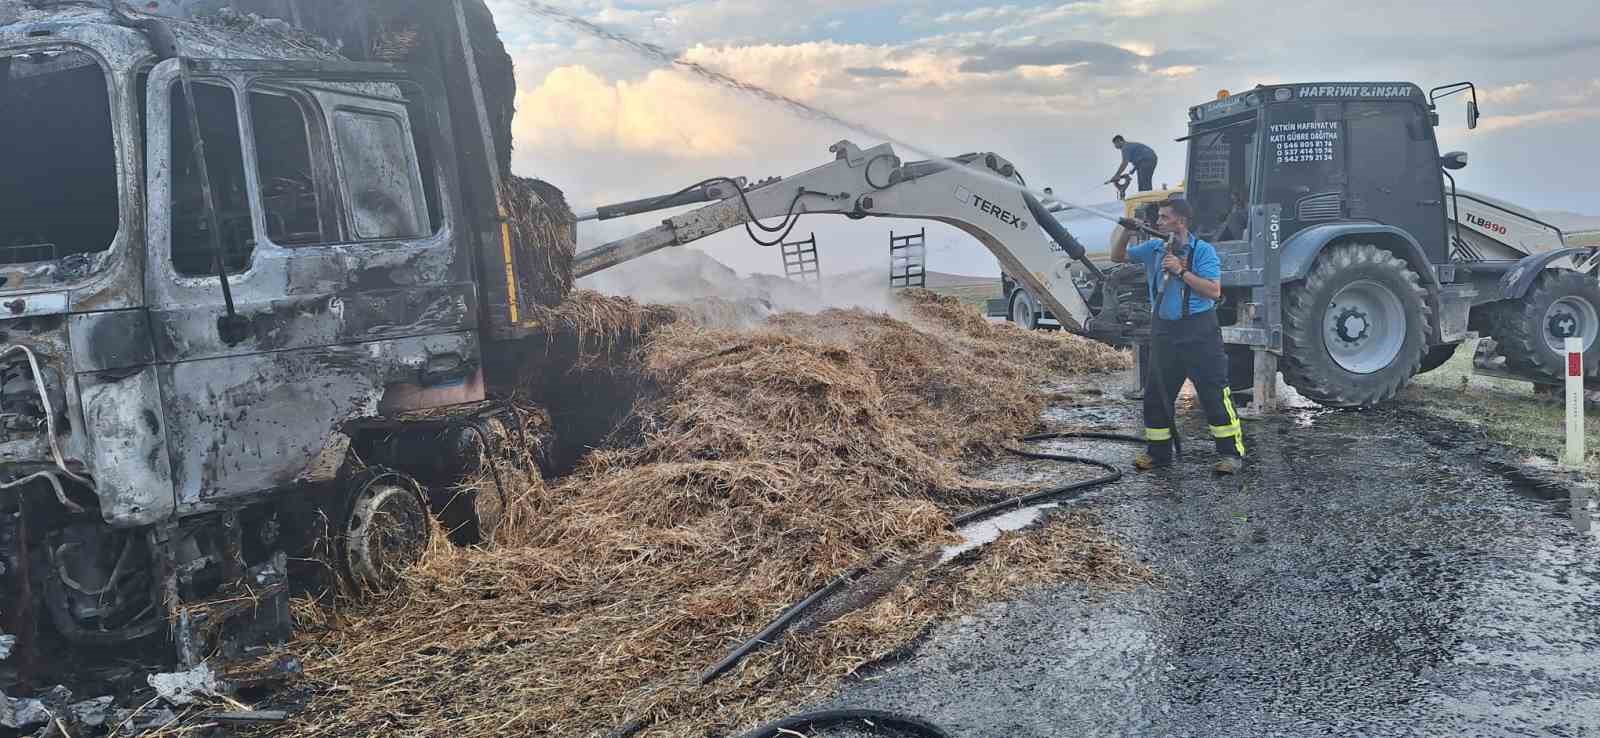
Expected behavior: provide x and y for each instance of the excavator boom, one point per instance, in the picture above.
(977, 193)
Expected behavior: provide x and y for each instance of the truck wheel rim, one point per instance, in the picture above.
(1570, 316)
(1364, 327)
(1022, 311)
(386, 534)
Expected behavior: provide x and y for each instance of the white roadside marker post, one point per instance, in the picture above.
(1574, 455)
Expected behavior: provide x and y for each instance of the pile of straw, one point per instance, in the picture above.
(765, 463)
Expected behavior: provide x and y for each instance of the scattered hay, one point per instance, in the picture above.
(760, 465)
(396, 42)
(599, 324)
(581, 366)
(1056, 353)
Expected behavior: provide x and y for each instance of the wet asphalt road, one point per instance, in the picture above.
(1367, 575)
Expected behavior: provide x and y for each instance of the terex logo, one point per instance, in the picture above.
(966, 197)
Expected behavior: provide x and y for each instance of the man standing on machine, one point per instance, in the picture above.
(1139, 156)
(1185, 278)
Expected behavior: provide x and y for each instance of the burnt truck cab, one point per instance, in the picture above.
(154, 420)
(1326, 202)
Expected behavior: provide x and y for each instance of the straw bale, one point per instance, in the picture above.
(544, 233)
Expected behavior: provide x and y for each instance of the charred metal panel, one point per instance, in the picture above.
(112, 340)
(37, 304)
(29, 449)
(133, 474)
(246, 425)
(339, 334)
(187, 334)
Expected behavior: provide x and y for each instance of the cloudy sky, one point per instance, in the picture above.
(1045, 85)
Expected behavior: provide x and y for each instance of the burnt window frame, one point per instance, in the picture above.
(159, 251)
(116, 116)
(431, 126)
(325, 178)
(420, 198)
(436, 214)
(179, 114)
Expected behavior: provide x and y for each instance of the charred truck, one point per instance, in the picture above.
(251, 263)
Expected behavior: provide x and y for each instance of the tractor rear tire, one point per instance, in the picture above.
(1438, 356)
(1355, 331)
(1530, 331)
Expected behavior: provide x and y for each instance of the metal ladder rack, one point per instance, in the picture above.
(908, 259)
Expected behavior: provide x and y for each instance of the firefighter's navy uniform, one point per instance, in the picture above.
(1186, 343)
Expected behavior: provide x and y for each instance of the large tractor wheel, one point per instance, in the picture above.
(1531, 332)
(1356, 330)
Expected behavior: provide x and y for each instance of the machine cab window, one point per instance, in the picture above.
(1221, 174)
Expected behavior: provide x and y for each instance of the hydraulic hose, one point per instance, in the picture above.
(1059, 233)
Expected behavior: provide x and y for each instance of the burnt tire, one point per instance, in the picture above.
(387, 528)
(1355, 331)
(1438, 356)
(1529, 331)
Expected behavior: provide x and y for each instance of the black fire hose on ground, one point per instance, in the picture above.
(877, 720)
(903, 723)
(1073, 489)
(988, 511)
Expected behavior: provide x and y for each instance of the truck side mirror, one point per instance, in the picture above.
(1472, 114)
(1454, 160)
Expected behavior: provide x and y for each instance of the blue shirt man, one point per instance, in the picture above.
(1206, 265)
(1139, 156)
(1136, 153)
(1185, 345)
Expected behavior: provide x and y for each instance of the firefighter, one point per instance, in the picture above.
(1185, 279)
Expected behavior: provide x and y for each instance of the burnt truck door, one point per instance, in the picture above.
(338, 222)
